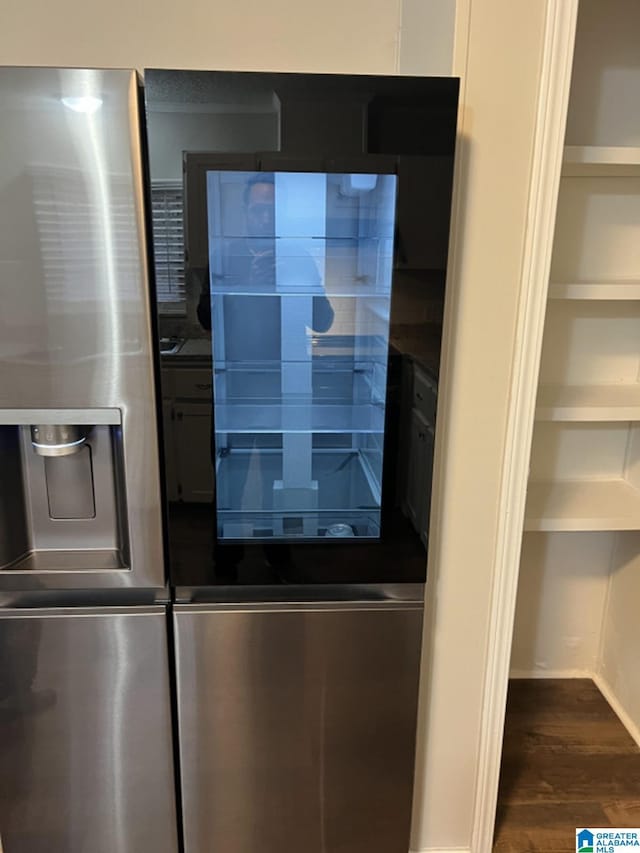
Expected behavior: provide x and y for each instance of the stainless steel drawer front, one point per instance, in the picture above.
(85, 732)
(297, 726)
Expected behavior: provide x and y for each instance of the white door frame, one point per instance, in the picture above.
(555, 79)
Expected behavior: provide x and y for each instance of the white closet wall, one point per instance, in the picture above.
(561, 595)
(579, 583)
(619, 661)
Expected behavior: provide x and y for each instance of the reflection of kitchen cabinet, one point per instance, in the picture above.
(187, 440)
(192, 426)
(171, 473)
(418, 426)
(192, 384)
(418, 496)
(429, 444)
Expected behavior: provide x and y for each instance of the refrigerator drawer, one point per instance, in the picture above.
(297, 726)
(85, 732)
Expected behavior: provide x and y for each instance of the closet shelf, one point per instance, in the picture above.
(596, 290)
(588, 403)
(582, 505)
(595, 161)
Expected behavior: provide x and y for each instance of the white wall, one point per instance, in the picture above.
(562, 593)
(246, 34)
(603, 109)
(426, 38)
(620, 643)
(369, 36)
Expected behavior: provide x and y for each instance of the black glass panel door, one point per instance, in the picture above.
(300, 229)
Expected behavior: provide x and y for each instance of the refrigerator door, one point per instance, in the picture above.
(75, 336)
(85, 732)
(300, 222)
(297, 725)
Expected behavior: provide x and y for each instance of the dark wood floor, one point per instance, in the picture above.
(568, 762)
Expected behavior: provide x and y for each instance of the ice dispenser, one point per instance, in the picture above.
(62, 495)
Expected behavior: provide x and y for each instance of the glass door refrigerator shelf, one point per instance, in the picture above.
(250, 502)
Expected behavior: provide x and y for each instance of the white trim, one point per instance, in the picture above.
(547, 156)
(605, 688)
(461, 48)
(460, 62)
(434, 850)
(540, 674)
(398, 39)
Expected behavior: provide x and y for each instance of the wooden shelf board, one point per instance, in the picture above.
(589, 160)
(582, 505)
(597, 290)
(588, 403)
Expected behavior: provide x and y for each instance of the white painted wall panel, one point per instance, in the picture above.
(560, 607)
(620, 662)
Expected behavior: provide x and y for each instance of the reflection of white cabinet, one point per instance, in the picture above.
(428, 447)
(171, 474)
(418, 496)
(187, 441)
(192, 426)
(418, 426)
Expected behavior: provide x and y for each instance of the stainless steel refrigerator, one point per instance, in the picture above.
(300, 242)
(85, 705)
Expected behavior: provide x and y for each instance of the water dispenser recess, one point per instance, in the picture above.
(70, 509)
(300, 267)
(70, 487)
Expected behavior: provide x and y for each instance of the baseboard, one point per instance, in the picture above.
(605, 688)
(441, 850)
(551, 673)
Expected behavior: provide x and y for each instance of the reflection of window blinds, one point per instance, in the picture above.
(168, 242)
(87, 232)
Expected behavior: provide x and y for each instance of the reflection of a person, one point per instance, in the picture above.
(252, 323)
(253, 333)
